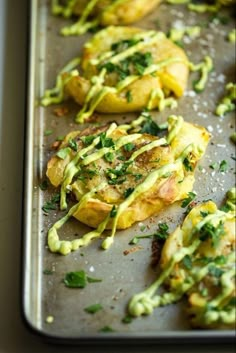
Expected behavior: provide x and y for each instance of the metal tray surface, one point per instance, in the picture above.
(122, 276)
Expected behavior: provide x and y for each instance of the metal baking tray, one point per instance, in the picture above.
(122, 276)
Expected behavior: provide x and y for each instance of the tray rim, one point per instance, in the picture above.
(167, 337)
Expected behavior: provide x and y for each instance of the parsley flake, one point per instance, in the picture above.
(73, 145)
(187, 262)
(105, 141)
(129, 147)
(223, 166)
(78, 279)
(187, 200)
(109, 157)
(128, 192)
(87, 140)
(128, 96)
(92, 309)
(52, 204)
(113, 211)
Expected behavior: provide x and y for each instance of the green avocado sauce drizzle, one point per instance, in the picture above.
(56, 94)
(227, 104)
(82, 25)
(200, 8)
(204, 67)
(232, 36)
(111, 59)
(66, 11)
(64, 247)
(177, 34)
(212, 311)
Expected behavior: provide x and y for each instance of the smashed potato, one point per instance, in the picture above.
(103, 12)
(198, 260)
(120, 178)
(122, 66)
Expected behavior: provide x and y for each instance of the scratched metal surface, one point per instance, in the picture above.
(122, 276)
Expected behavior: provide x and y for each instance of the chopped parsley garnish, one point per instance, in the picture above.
(43, 185)
(105, 141)
(187, 262)
(161, 234)
(127, 319)
(121, 158)
(73, 145)
(85, 173)
(187, 165)
(129, 147)
(162, 231)
(92, 309)
(128, 192)
(78, 279)
(226, 208)
(87, 140)
(215, 271)
(135, 240)
(129, 96)
(220, 260)
(116, 181)
(115, 174)
(204, 214)
(109, 157)
(137, 176)
(113, 211)
(214, 165)
(124, 44)
(150, 127)
(223, 166)
(60, 138)
(48, 132)
(138, 61)
(212, 232)
(187, 200)
(93, 280)
(106, 329)
(63, 152)
(52, 204)
(141, 61)
(47, 272)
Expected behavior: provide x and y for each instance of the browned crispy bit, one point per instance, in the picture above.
(133, 249)
(156, 252)
(55, 145)
(61, 111)
(92, 119)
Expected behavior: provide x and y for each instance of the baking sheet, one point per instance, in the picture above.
(122, 276)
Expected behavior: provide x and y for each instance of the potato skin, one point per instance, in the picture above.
(163, 193)
(121, 14)
(173, 77)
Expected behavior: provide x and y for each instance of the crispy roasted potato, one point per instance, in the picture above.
(119, 12)
(122, 172)
(171, 78)
(209, 265)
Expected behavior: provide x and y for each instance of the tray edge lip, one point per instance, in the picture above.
(200, 336)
